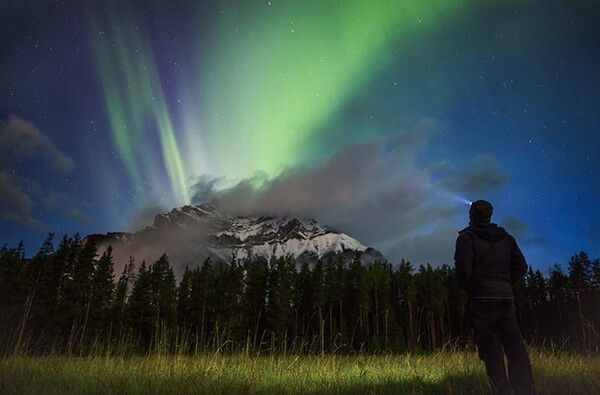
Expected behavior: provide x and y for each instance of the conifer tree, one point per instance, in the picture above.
(357, 303)
(119, 310)
(580, 287)
(184, 300)
(406, 298)
(455, 305)
(580, 275)
(318, 300)
(254, 300)
(55, 309)
(66, 300)
(596, 276)
(558, 285)
(380, 282)
(102, 293)
(29, 277)
(202, 297)
(225, 303)
(281, 299)
(335, 279)
(141, 310)
(78, 293)
(304, 309)
(11, 262)
(532, 303)
(163, 298)
(430, 299)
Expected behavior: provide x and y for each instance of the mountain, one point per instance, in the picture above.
(190, 234)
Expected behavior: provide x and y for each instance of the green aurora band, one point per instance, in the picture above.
(279, 74)
(136, 106)
(257, 96)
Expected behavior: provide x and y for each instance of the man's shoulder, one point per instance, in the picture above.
(465, 231)
(465, 235)
(511, 238)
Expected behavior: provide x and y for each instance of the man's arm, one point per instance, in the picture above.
(463, 260)
(518, 265)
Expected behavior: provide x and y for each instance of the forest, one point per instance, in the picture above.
(67, 299)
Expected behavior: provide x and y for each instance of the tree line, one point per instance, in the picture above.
(67, 299)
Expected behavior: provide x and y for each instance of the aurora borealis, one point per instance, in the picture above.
(273, 80)
(136, 107)
(378, 118)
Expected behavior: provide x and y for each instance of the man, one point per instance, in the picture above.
(488, 262)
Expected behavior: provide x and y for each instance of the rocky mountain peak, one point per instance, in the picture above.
(190, 234)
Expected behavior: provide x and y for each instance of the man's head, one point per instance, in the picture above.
(481, 212)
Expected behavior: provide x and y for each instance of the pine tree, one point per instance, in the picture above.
(580, 286)
(357, 302)
(184, 300)
(406, 298)
(380, 282)
(580, 275)
(141, 309)
(29, 277)
(318, 299)
(226, 302)
(163, 301)
(254, 299)
(202, 295)
(558, 285)
(455, 305)
(281, 300)
(78, 294)
(534, 304)
(102, 294)
(335, 280)
(55, 314)
(430, 298)
(304, 309)
(119, 310)
(596, 276)
(11, 262)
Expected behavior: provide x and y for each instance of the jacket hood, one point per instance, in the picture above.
(490, 232)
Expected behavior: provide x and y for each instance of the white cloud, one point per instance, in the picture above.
(20, 196)
(373, 191)
(77, 215)
(22, 139)
(482, 174)
(15, 204)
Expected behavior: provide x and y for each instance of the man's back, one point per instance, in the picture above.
(488, 261)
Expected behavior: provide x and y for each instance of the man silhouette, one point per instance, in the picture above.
(488, 262)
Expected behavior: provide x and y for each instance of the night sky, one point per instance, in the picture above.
(381, 119)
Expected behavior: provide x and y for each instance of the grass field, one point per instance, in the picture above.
(458, 372)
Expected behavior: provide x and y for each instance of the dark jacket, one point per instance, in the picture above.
(488, 261)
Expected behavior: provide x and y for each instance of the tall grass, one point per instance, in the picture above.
(445, 372)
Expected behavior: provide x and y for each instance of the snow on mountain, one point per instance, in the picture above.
(190, 234)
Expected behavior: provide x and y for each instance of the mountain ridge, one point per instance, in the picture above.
(190, 234)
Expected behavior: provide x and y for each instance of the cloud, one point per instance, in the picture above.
(145, 217)
(205, 188)
(374, 173)
(482, 174)
(22, 139)
(373, 191)
(514, 226)
(77, 215)
(15, 204)
(20, 196)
